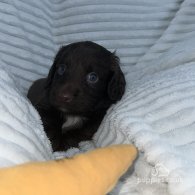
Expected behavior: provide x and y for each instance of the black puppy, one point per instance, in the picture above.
(84, 80)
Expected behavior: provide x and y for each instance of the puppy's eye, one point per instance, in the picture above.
(61, 70)
(92, 77)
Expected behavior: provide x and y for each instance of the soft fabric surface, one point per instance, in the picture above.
(157, 114)
(154, 40)
(85, 174)
(22, 138)
(32, 31)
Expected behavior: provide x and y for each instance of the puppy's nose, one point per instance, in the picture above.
(67, 93)
(66, 97)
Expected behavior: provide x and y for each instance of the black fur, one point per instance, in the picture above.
(70, 92)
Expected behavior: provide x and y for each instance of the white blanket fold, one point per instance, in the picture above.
(21, 133)
(157, 115)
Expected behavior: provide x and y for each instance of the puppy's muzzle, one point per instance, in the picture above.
(67, 93)
(65, 97)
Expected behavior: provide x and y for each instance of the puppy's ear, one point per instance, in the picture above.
(53, 68)
(116, 85)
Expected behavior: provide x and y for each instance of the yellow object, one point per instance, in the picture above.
(93, 173)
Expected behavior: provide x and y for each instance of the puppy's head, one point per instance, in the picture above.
(84, 78)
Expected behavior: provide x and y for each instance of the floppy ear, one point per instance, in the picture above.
(116, 85)
(54, 66)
